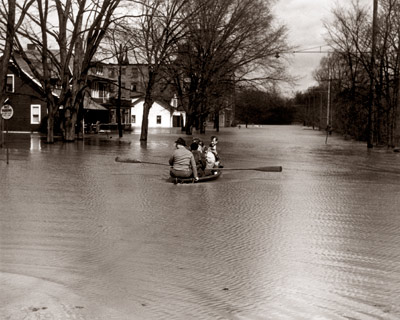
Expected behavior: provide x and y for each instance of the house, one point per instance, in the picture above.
(161, 115)
(103, 86)
(25, 96)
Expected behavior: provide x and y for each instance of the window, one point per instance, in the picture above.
(135, 73)
(158, 119)
(10, 83)
(133, 118)
(99, 69)
(125, 116)
(113, 115)
(133, 87)
(111, 72)
(99, 90)
(123, 71)
(35, 114)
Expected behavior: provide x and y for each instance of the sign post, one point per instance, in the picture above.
(1, 132)
(6, 114)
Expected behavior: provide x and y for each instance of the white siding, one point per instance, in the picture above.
(156, 111)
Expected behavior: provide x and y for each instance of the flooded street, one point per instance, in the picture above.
(85, 237)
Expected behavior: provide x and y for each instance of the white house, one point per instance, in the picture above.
(160, 116)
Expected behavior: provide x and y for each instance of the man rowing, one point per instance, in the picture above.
(182, 162)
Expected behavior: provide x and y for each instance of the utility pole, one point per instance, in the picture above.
(371, 108)
(396, 134)
(328, 103)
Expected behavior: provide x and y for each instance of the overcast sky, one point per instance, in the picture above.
(304, 20)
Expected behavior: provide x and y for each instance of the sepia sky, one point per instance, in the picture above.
(305, 22)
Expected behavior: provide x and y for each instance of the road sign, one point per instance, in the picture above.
(6, 112)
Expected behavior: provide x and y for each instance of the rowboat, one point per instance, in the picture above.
(211, 177)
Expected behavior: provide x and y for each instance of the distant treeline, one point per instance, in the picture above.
(261, 107)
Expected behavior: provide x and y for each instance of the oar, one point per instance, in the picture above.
(130, 160)
(263, 169)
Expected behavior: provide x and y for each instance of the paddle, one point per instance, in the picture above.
(130, 160)
(263, 169)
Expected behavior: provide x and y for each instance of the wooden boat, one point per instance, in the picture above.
(211, 177)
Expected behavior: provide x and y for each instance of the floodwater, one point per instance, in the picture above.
(85, 237)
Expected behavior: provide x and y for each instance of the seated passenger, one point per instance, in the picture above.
(211, 162)
(200, 164)
(182, 162)
(201, 146)
(213, 147)
(199, 142)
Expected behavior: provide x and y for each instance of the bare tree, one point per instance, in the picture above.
(8, 28)
(160, 29)
(115, 47)
(367, 57)
(9, 31)
(228, 42)
(65, 49)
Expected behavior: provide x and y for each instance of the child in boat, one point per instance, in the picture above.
(211, 161)
(213, 147)
(198, 158)
(200, 144)
(213, 144)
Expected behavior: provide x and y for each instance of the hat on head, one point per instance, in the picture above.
(181, 142)
(194, 146)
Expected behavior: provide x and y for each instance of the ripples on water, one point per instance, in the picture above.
(109, 240)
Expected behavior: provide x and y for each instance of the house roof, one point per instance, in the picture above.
(21, 65)
(136, 101)
(89, 104)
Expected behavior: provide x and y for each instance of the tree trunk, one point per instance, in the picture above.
(371, 107)
(202, 122)
(119, 98)
(145, 121)
(50, 128)
(51, 110)
(216, 119)
(396, 109)
(189, 123)
(69, 124)
(7, 51)
(80, 120)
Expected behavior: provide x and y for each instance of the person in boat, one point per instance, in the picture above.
(211, 162)
(200, 144)
(198, 158)
(182, 162)
(213, 148)
(213, 144)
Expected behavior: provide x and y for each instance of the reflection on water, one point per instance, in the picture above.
(83, 236)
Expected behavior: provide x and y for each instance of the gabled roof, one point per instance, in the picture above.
(35, 59)
(160, 102)
(27, 74)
